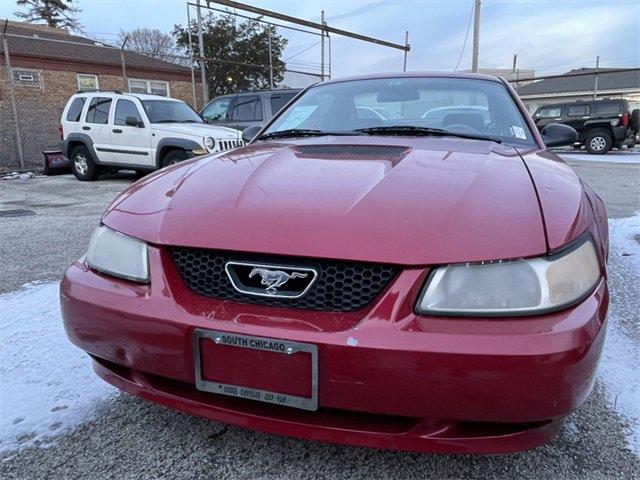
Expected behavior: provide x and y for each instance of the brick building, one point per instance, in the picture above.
(48, 65)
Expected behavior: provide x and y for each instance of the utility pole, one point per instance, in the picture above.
(514, 71)
(270, 60)
(329, 45)
(203, 72)
(595, 80)
(476, 36)
(406, 43)
(123, 63)
(322, 22)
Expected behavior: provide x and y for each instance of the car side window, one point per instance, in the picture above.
(75, 109)
(552, 112)
(124, 109)
(98, 111)
(608, 108)
(247, 108)
(578, 110)
(279, 100)
(217, 110)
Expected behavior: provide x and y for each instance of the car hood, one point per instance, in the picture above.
(405, 201)
(198, 129)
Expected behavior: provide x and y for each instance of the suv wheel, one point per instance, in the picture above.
(598, 142)
(173, 157)
(82, 165)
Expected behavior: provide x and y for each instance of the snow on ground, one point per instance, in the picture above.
(614, 156)
(48, 385)
(620, 365)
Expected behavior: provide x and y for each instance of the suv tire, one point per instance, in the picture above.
(598, 142)
(173, 157)
(82, 165)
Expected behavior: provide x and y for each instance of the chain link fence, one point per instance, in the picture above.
(39, 74)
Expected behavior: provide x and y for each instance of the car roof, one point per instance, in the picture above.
(372, 76)
(253, 92)
(141, 96)
(582, 102)
(147, 96)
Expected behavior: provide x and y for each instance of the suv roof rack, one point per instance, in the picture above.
(94, 90)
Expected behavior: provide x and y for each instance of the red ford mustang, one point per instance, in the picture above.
(395, 261)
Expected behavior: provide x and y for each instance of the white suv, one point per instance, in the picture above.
(114, 130)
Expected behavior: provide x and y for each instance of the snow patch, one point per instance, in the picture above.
(48, 385)
(621, 357)
(610, 157)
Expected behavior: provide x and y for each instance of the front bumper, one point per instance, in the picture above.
(387, 377)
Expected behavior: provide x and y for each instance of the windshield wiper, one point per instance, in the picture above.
(412, 130)
(304, 132)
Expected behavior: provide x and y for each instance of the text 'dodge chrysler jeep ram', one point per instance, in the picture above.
(114, 130)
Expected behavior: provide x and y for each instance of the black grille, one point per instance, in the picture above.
(341, 286)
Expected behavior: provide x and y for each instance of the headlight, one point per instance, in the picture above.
(118, 255)
(512, 287)
(615, 122)
(210, 143)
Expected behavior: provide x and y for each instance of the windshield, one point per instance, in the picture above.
(170, 111)
(458, 105)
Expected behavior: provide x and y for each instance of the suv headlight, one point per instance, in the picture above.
(210, 143)
(119, 255)
(517, 287)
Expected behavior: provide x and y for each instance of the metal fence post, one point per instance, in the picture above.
(12, 94)
(322, 22)
(203, 65)
(270, 60)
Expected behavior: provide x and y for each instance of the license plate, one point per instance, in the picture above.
(257, 368)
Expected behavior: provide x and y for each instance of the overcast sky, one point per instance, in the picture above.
(550, 36)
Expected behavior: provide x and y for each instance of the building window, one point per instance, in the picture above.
(157, 87)
(26, 78)
(87, 82)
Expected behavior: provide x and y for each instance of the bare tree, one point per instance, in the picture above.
(55, 13)
(149, 41)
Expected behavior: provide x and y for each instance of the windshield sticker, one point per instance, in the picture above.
(297, 116)
(518, 132)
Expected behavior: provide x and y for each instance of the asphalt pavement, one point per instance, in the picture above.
(128, 438)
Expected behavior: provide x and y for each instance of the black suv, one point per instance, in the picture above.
(244, 109)
(601, 124)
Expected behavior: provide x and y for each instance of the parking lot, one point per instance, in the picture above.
(83, 428)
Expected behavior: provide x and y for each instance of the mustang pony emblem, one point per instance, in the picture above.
(273, 279)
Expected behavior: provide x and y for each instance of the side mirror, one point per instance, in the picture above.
(250, 132)
(557, 135)
(133, 122)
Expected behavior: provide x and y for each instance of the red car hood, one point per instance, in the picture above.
(405, 201)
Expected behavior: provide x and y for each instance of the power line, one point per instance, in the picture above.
(466, 36)
(302, 51)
